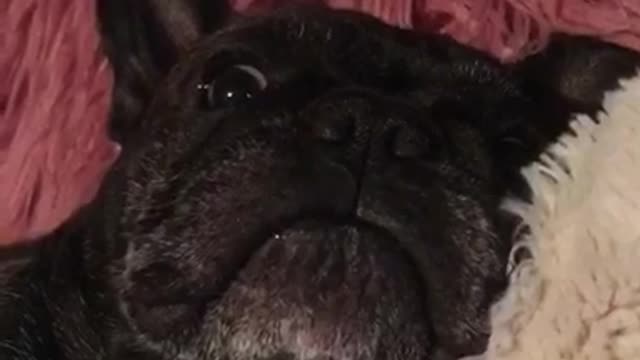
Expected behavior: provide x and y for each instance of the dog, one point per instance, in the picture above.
(304, 184)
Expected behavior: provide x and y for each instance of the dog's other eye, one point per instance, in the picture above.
(232, 87)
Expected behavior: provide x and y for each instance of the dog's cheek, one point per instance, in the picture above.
(182, 247)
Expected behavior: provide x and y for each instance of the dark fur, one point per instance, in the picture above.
(348, 212)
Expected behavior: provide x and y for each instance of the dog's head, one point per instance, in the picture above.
(309, 184)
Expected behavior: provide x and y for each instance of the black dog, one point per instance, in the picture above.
(311, 184)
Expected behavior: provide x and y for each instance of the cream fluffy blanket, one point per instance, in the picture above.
(579, 296)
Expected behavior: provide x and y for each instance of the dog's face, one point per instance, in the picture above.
(314, 184)
(317, 185)
(310, 184)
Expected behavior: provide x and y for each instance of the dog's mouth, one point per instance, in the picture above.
(337, 290)
(334, 283)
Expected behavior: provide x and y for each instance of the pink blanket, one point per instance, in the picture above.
(55, 83)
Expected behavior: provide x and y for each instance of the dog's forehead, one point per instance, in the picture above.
(306, 25)
(309, 34)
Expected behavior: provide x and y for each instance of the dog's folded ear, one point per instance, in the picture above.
(142, 40)
(576, 71)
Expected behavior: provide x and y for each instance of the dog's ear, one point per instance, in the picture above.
(143, 39)
(574, 72)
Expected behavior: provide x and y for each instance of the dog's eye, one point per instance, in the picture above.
(232, 87)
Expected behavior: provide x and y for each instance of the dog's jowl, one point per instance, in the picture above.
(307, 184)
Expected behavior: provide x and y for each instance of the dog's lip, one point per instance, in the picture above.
(354, 222)
(367, 246)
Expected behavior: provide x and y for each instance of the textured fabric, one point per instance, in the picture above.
(54, 83)
(508, 29)
(54, 98)
(578, 297)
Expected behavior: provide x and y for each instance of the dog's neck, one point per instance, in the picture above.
(62, 305)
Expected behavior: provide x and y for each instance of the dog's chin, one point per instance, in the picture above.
(324, 290)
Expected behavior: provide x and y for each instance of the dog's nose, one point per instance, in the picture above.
(361, 129)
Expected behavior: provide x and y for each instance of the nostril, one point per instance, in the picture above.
(334, 128)
(407, 142)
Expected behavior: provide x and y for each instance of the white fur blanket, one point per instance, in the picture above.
(579, 296)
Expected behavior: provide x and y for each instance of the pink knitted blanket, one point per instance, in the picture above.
(55, 83)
